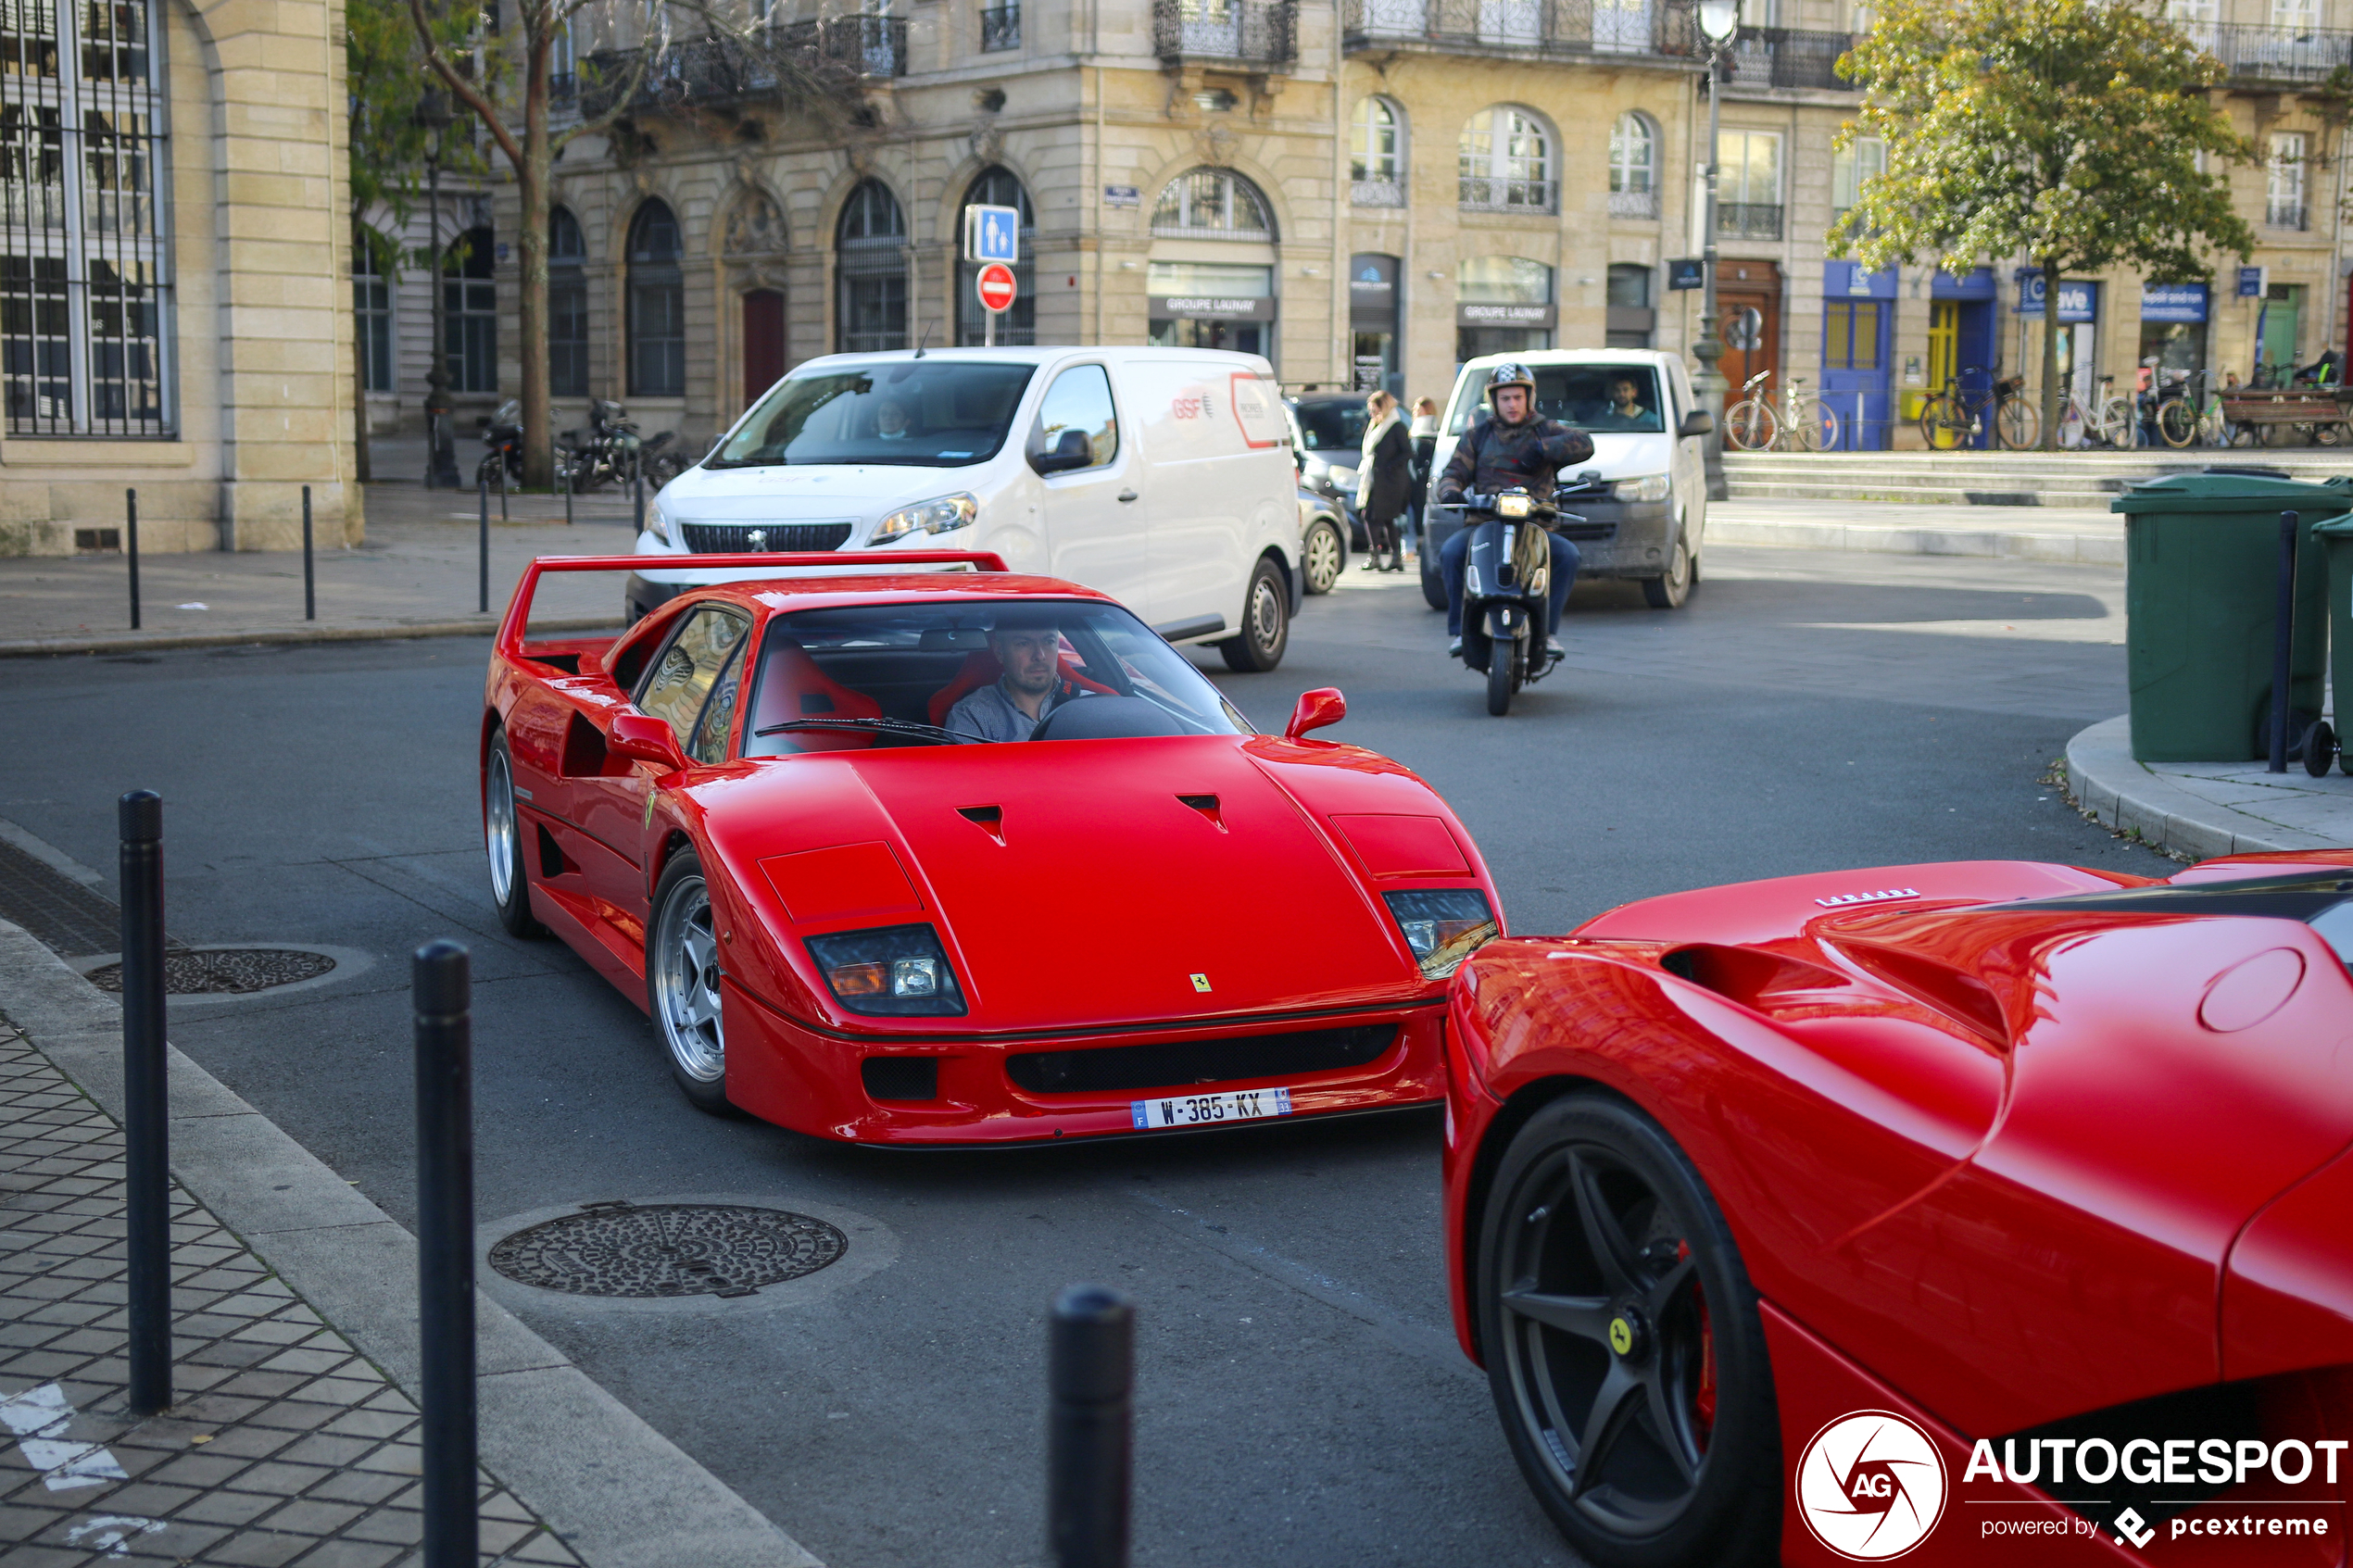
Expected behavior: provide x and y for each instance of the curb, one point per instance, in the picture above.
(2133, 796)
(133, 642)
(619, 1493)
(2072, 549)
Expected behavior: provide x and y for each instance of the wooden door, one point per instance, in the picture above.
(1748, 308)
(763, 342)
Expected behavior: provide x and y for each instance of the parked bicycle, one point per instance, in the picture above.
(2104, 420)
(1954, 419)
(1804, 422)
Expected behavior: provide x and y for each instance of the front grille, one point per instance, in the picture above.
(725, 538)
(1587, 532)
(1173, 1066)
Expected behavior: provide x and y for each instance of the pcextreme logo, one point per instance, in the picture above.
(1870, 1486)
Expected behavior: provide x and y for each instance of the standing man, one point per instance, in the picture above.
(1513, 449)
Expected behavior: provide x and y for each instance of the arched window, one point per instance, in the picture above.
(1213, 204)
(470, 313)
(1377, 157)
(870, 265)
(997, 187)
(1507, 162)
(657, 305)
(1633, 167)
(567, 305)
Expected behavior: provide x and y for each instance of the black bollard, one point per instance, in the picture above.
(2283, 644)
(440, 989)
(482, 493)
(146, 1129)
(1091, 1361)
(637, 489)
(309, 584)
(131, 550)
(563, 479)
(501, 455)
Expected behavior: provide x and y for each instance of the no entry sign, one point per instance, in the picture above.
(995, 287)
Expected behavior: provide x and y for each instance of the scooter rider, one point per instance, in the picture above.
(1512, 450)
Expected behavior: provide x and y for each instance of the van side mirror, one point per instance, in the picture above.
(1315, 710)
(1699, 421)
(641, 737)
(1071, 450)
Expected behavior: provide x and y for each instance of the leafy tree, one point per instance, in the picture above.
(505, 79)
(2066, 131)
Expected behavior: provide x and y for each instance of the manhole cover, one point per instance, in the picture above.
(668, 1249)
(225, 971)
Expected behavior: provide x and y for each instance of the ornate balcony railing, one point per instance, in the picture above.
(2280, 212)
(2272, 54)
(1261, 32)
(1749, 220)
(1787, 56)
(1555, 28)
(1634, 204)
(1001, 27)
(1482, 194)
(1376, 192)
(718, 70)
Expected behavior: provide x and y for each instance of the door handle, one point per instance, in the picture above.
(1127, 495)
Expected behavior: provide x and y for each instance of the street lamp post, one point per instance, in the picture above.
(441, 449)
(1718, 19)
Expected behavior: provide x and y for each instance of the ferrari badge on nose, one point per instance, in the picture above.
(1201, 981)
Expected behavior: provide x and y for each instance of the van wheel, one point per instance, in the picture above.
(1668, 590)
(1266, 623)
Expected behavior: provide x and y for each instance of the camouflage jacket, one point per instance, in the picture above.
(1493, 456)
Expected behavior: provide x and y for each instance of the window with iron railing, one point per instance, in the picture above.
(1505, 158)
(1749, 220)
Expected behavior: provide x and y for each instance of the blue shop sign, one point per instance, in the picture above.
(2079, 301)
(1978, 284)
(1846, 278)
(2172, 302)
(2252, 281)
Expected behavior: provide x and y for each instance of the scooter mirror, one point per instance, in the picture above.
(1314, 711)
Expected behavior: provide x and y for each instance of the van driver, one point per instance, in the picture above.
(1013, 705)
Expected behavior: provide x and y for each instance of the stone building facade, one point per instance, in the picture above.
(174, 313)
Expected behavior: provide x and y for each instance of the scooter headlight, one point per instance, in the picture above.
(1511, 505)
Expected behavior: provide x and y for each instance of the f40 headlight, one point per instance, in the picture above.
(1443, 925)
(893, 972)
(1650, 487)
(942, 515)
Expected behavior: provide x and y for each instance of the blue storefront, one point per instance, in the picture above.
(1858, 336)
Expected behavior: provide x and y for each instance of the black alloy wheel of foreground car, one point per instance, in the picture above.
(1623, 1345)
(502, 836)
(1321, 557)
(1266, 623)
(682, 980)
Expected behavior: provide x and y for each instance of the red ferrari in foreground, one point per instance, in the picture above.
(768, 814)
(1990, 1211)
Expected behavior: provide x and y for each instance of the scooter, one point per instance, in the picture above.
(1507, 577)
(503, 435)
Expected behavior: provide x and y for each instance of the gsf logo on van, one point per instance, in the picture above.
(1871, 1485)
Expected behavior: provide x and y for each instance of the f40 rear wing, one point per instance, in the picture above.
(518, 617)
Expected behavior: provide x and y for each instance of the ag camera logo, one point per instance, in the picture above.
(1871, 1485)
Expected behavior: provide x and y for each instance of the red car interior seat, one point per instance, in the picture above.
(791, 686)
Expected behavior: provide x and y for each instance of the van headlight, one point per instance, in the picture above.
(942, 515)
(1443, 926)
(1650, 487)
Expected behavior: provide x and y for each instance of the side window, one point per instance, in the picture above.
(1079, 400)
(682, 677)
(719, 713)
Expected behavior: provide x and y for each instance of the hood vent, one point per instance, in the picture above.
(989, 819)
(1207, 806)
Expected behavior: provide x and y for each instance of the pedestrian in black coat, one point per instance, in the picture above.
(1384, 482)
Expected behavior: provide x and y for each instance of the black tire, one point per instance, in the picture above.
(2318, 748)
(1266, 623)
(2176, 422)
(1322, 556)
(1598, 1234)
(1671, 587)
(502, 833)
(682, 985)
(1499, 678)
(1433, 585)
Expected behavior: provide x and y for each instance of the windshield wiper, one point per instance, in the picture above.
(886, 726)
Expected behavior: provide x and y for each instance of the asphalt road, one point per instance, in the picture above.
(1300, 1400)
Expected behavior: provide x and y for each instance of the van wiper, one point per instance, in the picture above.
(883, 726)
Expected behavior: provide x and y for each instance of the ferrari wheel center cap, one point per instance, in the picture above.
(1629, 1333)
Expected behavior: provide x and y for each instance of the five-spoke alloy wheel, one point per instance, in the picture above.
(502, 837)
(1623, 1345)
(682, 974)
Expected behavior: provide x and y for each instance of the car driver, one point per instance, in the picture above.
(1625, 410)
(1013, 705)
(890, 420)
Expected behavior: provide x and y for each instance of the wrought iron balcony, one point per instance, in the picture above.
(1521, 28)
(1482, 194)
(1749, 220)
(1253, 33)
(1388, 192)
(1634, 204)
(2284, 212)
(719, 69)
(1787, 56)
(1001, 27)
(2272, 54)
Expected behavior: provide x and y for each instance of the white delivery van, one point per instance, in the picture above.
(1643, 495)
(1160, 476)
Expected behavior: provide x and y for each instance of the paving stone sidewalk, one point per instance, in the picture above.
(284, 1447)
(2202, 808)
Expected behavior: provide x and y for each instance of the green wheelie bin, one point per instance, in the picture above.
(2337, 541)
(2201, 593)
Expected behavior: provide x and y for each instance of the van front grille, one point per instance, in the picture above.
(1171, 1066)
(1587, 532)
(726, 538)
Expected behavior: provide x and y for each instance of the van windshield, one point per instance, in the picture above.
(1601, 398)
(919, 413)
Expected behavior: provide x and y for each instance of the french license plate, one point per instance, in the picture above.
(1202, 1110)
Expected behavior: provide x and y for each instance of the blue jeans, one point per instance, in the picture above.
(1451, 555)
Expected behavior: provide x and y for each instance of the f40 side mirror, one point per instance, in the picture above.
(641, 737)
(1315, 710)
(1071, 450)
(1699, 421)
